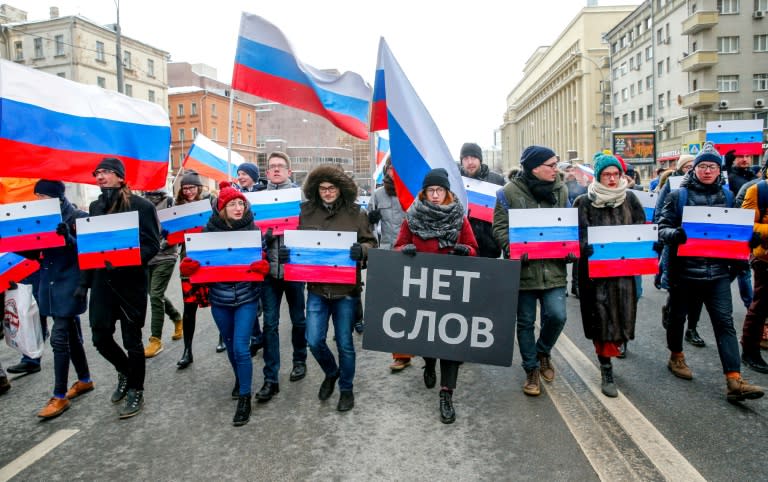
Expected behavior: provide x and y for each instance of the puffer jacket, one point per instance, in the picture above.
(761, 221)
(344, 215)
(484, 231)
(688, 267)
(537, 274)
(392, 216)
(275, 268)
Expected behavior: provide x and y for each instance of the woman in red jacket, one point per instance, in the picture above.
(435, 223)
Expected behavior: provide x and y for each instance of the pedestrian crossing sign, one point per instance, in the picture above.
(694, 149)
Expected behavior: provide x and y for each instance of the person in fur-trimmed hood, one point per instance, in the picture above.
(331, 206)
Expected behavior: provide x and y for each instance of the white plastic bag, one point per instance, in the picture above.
(21, 322)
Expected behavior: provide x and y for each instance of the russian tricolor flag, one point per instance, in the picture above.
(648, 200)
(14, 267)
(277, 209)
(482, 198)
(623, 250)
(224, 256)
(379, 101)
(184, 218)
(715, 232)
(543, 233)
(30, 225)
(210, 160)
(415, 141)
(586, 171)
(321, 257)
(266, 66)
(64, 129)
(382, 151)
(112, 237)
(743, 136)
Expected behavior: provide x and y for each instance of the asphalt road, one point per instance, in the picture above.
(659, 428)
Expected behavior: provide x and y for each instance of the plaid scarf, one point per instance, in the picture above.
(443, 222)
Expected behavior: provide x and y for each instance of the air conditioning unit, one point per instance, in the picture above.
(758, 14)
(723, 104)
(760, 103)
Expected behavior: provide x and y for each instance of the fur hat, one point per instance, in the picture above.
(708, 154)
(437, 177)
(683, 160)
(228, 193)
(50, 188)
(112, 164)
(606, 160)
(471, 149)
(534, 156)
(191, 178)
(250, 169)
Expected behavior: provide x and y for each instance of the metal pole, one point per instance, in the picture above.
(229, 135)
(119, 52)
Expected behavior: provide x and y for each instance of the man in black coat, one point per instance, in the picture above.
(472, 166)
(121, 293)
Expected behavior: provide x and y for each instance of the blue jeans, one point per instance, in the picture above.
(236, 325)
(552, 323)
(272, 290)
(257, 338)
(67, 344)
(744, 280)
(319, 310)
(716, 297)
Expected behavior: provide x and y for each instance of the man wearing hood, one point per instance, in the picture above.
(471, 165)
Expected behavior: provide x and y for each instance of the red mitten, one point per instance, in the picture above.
(261, 267)
(188, 267)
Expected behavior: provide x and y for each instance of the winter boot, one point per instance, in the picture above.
(606, 385)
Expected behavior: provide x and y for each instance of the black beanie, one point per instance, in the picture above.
(250, 169)
(471, 149)
(191, 178)
(534, 156)
(112, 164)
(436, 177)
(50, 188)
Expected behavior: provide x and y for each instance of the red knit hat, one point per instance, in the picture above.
(622, 162)
(228, 193)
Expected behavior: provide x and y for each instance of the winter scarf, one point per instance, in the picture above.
(216, 223)
(605, 197)
(442, 222)
(541, 190)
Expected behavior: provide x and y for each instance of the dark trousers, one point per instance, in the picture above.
(189, 320)
(67, 344)
(757, 313)
(130, 362)
(716, 297)
(272, 291)
(160, 305)
(449, 371)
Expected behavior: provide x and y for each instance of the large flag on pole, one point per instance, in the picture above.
(210, 160)
(63, 129)
(266, 66)
(414, 139)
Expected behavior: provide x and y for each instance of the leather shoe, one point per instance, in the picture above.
(346, 401)
(299, 371)
(755, 362)
(692, 337)
(24, 367)
(430, 377)
(221, 346)
(327, 387)
(255, 347)
(185, 360)
(268, 390)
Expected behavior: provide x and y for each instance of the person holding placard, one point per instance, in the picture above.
(695, 280)
(471, 165)
(436, 223)
(608, 305)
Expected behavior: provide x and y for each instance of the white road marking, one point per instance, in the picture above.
(35, 453)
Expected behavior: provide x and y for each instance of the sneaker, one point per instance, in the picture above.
(133, 403)
(5, 385)
(79, 388)
(178, 331)
(692, 337)
(54, 408)
(739, 390)
(546, 369)
(400, 364)
(154, 347)
(679, 368)
(121, 389)
(346, 401)
(532, 385)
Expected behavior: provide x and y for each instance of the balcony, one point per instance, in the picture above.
(694, 137)
(699, 21)
(700, 98)
(699, 60)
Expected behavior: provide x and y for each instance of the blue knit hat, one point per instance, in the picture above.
(708, 153)
(250, 169)
(534, 156)
(605, 160)
(50, 188)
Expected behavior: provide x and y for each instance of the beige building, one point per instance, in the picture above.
(563, 100)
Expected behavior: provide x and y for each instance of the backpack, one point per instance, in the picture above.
(683, 198)
(762, 197)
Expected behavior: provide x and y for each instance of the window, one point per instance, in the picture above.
(181, 134)
(760, 82)
(649, 111)
(59, 44)
(669, 99)
(238, 116)
(727, 45)
(615, 73)
(613, 48)
(660, 103)
(624, 119)
(639, 86)
(127, 60)
(151, 95)
(180, 110)
(648, 53)
(727, 83)
(38, 48)
(632, 63)
(150, 68)
(694, 46)
(193, 108)
(638, 60)
(761, 43)
(667, 64)
(213, 110)
(624, 94)
(623, 68)
(100, 51)
(695, 84)
(214, 134)
(660, 68)
(101, 82)
(761, 5)
(640, 114)
(129, 90)
(239, 138)
(632, 90)
(648, 23)
(762, 115)
(63, 75)
(660, 36)
(194, 133)
(248, 120)
(19, 49)
(632, 117)
(649, 82)
(666, 32)
(727, 7)
(615, 98)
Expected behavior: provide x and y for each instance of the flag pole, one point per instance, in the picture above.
(229, 134)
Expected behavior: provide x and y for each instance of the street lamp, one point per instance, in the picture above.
(118, 51)
(603, 124)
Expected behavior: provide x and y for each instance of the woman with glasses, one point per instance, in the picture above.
(435, 223)
(608, 305)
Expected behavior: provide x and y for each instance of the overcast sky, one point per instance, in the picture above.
(463, 58)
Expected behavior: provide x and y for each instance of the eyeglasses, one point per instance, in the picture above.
(610, 175)
(276, 167)
(328, 189)
(707, 167)
(102, 172)
(435, 190)
(550, 165)
(236, 203)
(188, 188)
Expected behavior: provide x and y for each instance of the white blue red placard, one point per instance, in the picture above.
(184, 218)
(30, 225)
(225, 255)
(674, 182)
(320, 256)
(716, 232)
(277, 209)
(111, 237)
(648, 200)
(543, 233)
(481, 197)
(745, 137)
(14, 268)
(625, 250)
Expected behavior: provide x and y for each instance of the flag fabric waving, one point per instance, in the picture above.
(414, 139)
(266, 66)
(63, 128)
(379, 101)
(210, 160)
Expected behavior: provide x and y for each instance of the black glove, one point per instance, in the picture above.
(570, 258)
(268, 237)
(756, 241)
(374, 216)
(461, 250)
(283, 254)
(356, 252)
(80, 292)
(589, 251)
(62, 229)
(164, 234)
(108, 265)
(409, 249)
(679, 236)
